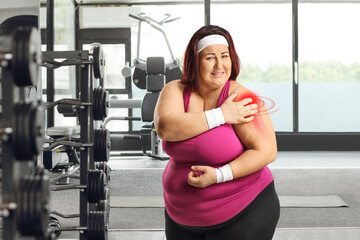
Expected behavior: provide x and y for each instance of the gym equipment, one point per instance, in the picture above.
(97, 226)
(172, 71)
(101, 144)
(100, 105)
(96, 186)
(104, 167)
(155, 81)
(28, 131)
(8, 26)
(31, 210)
(95, 57)
(21, 52)
(25, 196)
(98, 60)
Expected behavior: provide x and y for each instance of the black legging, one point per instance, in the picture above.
(256, 222)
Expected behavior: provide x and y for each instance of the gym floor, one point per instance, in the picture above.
(295, 173)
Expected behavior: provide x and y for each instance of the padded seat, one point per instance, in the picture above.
(63, 131)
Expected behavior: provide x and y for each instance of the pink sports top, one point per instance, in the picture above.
(192, 206)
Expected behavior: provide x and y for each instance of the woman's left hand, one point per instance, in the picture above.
(202, 176)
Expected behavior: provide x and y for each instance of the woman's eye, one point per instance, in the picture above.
(210, 58)
(225, 56)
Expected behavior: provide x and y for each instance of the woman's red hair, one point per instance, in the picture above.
(191, 58)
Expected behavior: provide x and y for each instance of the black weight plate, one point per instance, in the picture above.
(102, 104)
(97, 98)
(17, 64)
(26, 131)
(105, 104)
(104, 225)
(27, 56)
(35, 56)
(95, 192)
(21, 203)
(98, 224)
(139, 78)
(102, 145)
(16, 136)
(108, 145)
(95, 103)
(96, 147)
(22, 140)
(42, 203)
(37, 123)
(91, 226)
(90, 186)
(37, 207)
(98, 186)
(102, 183)
(29, 228)
(98, 61)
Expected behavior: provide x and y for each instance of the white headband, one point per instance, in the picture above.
(211, 40)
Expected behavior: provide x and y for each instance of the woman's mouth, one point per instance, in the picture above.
(217, 74)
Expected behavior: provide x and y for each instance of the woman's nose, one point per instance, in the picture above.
(218, 63)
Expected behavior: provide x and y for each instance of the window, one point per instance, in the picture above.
(329, 67)
(262, 36)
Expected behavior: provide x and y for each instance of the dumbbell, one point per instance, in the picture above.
(21, 52)
(31, 210)
(100, 105)
(101, 206)
(103, 166)
(101, 145)
(98, 60)
(27, 133)
(96, 186)
(104, 205)
(97, 226)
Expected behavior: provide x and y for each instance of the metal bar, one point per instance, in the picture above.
(295, 65)
(50, 88)
(138, 40)
(77, 47)
(84, 117)
(121, 118)
(125, 103)
(78, 54)
(166, 39)
(207, 12)
(60, 214)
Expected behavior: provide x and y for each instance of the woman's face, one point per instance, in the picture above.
(215, 66)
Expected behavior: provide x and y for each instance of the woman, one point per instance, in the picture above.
(220, 140)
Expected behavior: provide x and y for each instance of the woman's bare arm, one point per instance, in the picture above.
(171, 121)
(173, 124)
(258, 136)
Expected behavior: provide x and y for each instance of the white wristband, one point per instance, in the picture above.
(214, 117)
(224, 174)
